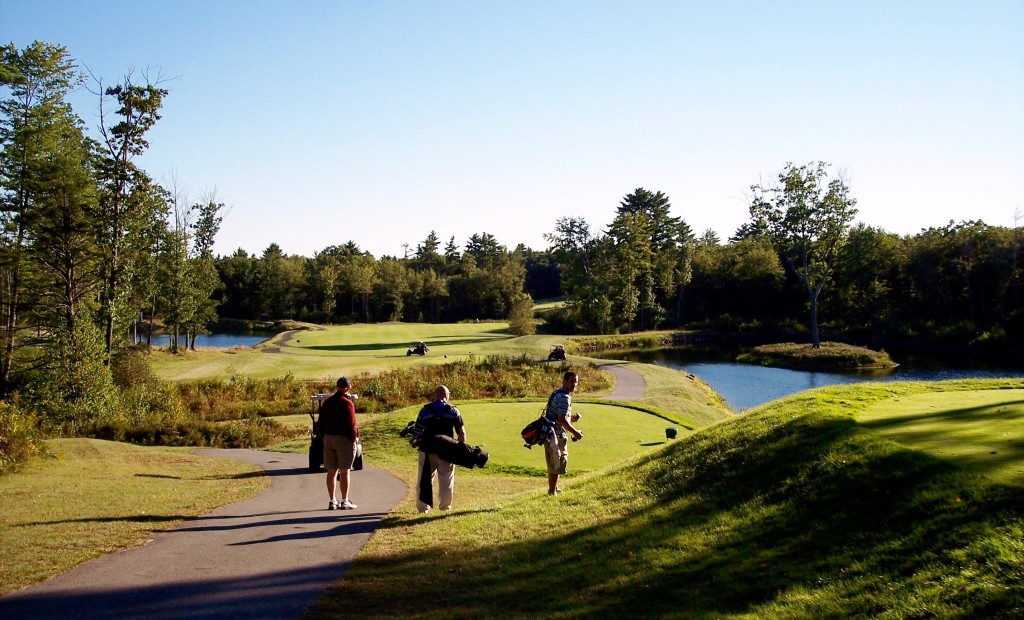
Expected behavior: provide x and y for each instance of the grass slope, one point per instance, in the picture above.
(92, 497)
(794, 510)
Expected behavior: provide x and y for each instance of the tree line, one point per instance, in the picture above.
(341, 283)
(94, 252)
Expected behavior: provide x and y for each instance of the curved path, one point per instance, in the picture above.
(269, 556)
(629, 384)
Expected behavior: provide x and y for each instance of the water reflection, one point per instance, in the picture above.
(208, 341)
(744, 386)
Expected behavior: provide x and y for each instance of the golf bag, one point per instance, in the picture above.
(316, 450)
(537, 432)
(451, 450)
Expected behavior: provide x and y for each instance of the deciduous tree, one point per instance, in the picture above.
(806, 216)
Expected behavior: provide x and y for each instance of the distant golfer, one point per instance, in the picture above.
(438, 417)
(340, 430)
(559, 412)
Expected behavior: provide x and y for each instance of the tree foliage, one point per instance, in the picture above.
(806, 216)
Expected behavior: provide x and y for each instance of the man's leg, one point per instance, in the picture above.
(343, 483)
(445, 482)
(332, 475)
(552, 483)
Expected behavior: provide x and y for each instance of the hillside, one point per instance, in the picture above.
(793, 510)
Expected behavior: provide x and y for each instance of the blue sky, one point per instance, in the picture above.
(378, 121)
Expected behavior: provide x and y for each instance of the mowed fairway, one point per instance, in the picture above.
(981, 430)
(327, 352)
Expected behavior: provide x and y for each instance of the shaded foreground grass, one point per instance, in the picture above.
(93, 497)
(793, 510)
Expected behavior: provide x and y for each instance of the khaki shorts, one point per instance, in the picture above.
(556, 454)
(339, 452)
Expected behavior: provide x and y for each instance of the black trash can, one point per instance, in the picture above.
(670, 433)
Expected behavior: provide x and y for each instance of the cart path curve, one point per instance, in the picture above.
(629, 384)
(270, 556)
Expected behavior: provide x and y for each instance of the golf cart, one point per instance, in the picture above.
(420, 348)
(316, 438)
(557, 353)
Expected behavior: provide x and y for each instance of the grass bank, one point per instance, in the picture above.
(794, 510)
(89, 497)
(829, 356)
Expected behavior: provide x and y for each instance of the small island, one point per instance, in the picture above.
(829, 356)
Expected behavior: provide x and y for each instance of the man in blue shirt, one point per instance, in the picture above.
(438, 417)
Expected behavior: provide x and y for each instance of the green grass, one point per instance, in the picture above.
(982, 431)
(327, 352)
(793, 510)
(92, 497)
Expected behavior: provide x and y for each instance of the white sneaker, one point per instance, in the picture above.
(347, 505)
(332, 505)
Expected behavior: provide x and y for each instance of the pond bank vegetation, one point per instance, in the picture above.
(829, 356)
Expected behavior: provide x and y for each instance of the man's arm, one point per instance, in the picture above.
(563, 421)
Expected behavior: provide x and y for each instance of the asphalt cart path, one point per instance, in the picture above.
(629, 384)
(269, 556)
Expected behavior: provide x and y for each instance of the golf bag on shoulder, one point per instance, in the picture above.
(451, 450)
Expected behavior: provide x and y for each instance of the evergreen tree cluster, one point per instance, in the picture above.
(89, 243)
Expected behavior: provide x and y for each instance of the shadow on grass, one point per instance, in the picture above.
(810, 516)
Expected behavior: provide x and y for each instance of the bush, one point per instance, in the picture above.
(249, 433)
(130, 367)
(19, 438)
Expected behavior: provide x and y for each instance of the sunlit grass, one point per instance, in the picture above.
(331, 351)
(92, 497)
(982, 430)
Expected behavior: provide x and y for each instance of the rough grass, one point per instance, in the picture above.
(829, 356)
(90, 497)
(794, 510)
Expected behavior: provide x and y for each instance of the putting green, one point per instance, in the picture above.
(980, 430)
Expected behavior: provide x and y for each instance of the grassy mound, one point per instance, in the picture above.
(794, 510)
(829, 356)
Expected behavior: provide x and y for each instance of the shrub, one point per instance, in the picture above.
(19, 438)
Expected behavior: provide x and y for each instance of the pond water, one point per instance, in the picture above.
(744, 385)
(209, 341)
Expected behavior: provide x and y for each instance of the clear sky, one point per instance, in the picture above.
(378, 121)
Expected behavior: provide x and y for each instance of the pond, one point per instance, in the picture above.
(744, 385)
(224, 341)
